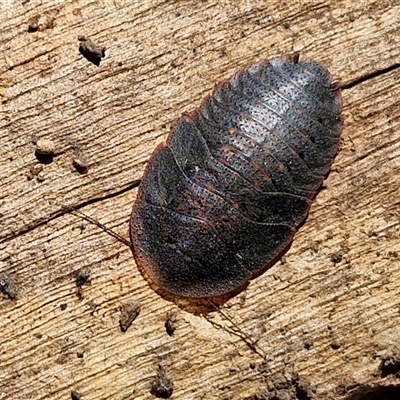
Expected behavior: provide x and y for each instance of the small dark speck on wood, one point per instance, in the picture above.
(162, 387)
(34, 171)
(91, 51)
(75, 395)
(82, 278)
(79, 162)
(33, 25)
(129, 312)
(336, 257)
(8, 286)
(170, 325)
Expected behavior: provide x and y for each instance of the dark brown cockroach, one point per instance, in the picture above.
(222, 199)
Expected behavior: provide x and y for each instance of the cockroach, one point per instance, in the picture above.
(221, 200)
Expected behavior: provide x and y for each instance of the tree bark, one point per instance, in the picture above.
(322, 323)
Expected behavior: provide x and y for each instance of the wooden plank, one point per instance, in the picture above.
(325, 313)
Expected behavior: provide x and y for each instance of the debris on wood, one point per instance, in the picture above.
(33, 24)
(80, 162)
(336, 257)
(170, 325)
(91, 51)
(45, 146)
(129, 312)
(44, 150)
(9, 61)
(335, 345)
(34, 171)
(8, 286)
(42, 22)
(82, 278)
(162, 387)
(75, 395)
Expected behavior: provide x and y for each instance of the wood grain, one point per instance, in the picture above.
(321, 320)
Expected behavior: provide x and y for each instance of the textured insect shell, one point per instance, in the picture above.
(222, 199)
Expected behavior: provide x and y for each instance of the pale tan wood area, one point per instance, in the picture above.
(322, 320)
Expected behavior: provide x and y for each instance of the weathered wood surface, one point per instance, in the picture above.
(327, 314)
